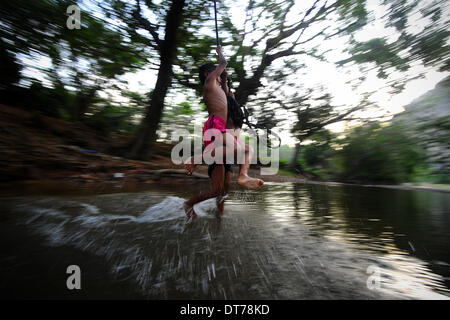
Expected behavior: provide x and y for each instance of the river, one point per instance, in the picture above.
(285, 241)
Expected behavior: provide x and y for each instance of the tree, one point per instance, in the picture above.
(427, 120)
(83, 61)
(381, 154)
(9, 68)
(169, 17)
(319, 153)
(270, 34)
(422, 32)
(265, 51)
(313, 114)
(167, 49)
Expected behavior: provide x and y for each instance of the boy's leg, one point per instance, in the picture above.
(191, 163)
(243, 178)
(221, 199)
(217, 182)
(235, 148)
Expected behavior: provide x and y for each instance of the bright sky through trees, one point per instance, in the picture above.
(337, 81)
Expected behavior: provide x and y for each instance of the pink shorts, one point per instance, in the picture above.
(213, 122)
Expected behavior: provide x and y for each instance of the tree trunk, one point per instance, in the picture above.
(146, 137)
(248, 87)
(84, 99)
(294, 163)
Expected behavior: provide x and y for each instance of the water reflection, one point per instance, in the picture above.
(400, 227)
(286, 241)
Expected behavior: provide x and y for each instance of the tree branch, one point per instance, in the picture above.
(340, 117)
(145, 24)
(185, 82)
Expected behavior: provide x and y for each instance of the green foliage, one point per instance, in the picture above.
(385, 56)
(429, 46)
(179, 116)
(311, 119)
(57, 102)
(112, 119)
(442, 123)
(83, 61)
(120, 118)
(381, 154)
(317, 157)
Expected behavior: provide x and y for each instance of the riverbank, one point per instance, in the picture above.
(46, 155)
(426, 187)
(90, 184)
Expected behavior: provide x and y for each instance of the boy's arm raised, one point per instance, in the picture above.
(220, 68)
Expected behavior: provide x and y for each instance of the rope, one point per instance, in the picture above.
(215, 19)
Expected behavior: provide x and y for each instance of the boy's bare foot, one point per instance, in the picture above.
(189, 210)
(249, 183)
(189, 166)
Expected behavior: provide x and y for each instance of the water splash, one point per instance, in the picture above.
(172, 208)
(270, 250)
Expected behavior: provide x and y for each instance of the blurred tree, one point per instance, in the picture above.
(9, 68)
(157, 26)
(82, 61)
(381, 154)
(263, 51)
(270, 33)
(178, 116)
(122, 117)
(422, 33)
(313, 114)
(318, 154)
(427, 120)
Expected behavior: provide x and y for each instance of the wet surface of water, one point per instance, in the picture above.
(286, 241)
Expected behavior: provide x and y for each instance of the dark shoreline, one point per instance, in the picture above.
(71, 187)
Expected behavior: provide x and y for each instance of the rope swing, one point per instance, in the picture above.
(215, 19)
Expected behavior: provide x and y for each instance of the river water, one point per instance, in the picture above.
(285, 241)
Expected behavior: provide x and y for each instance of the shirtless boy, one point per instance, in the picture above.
(215, 96)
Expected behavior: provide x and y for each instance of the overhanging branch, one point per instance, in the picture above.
(145, 24)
